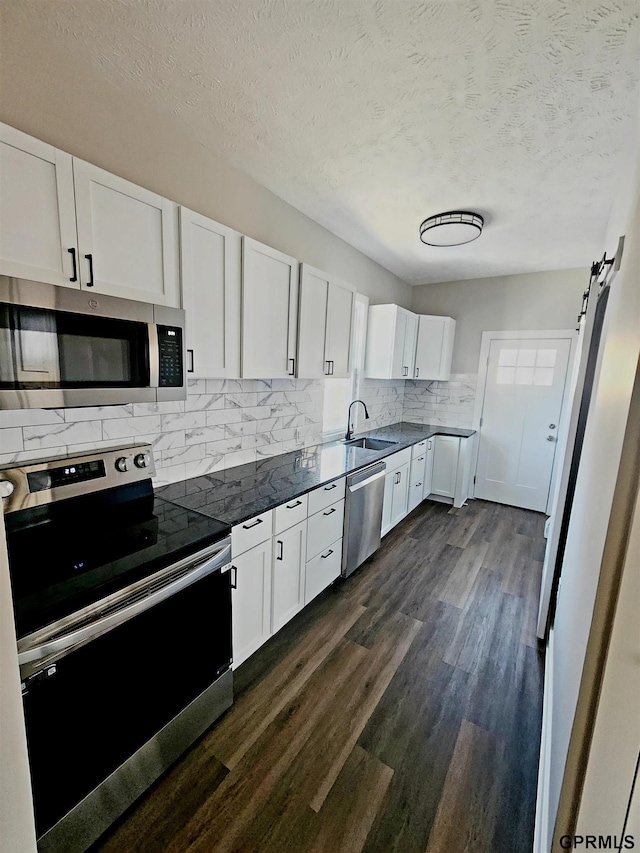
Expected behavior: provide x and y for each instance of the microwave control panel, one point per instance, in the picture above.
(170, 352)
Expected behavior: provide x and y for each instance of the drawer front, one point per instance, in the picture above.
(326, 495)
(419, 449)
(323, 570)
(417, 470)
(323, 528)
(293, 512)
(397, 460)
(250, 533)
(416, 492)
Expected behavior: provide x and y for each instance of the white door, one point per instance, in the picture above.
(251, 601)
(409, 354)
(397, 362)
(210, 256)
(339, 326)
(520, 417)
(127, 238)
(269, 312)
(312, 324)
(289, 559)
(37, 213)
(400, 495)
(446, 449)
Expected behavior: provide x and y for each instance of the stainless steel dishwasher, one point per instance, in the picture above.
(362, 516)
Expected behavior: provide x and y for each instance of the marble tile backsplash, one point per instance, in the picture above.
(222, 423)
(447, 403)
(227, 422)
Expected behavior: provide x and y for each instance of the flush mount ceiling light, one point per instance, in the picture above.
(452, 228)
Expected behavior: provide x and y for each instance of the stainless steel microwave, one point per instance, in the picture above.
(63, 347)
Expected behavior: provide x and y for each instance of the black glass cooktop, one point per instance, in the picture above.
(66, 555)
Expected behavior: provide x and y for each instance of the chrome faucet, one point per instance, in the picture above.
(349, 434)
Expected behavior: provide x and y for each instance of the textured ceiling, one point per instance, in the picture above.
(371, 115)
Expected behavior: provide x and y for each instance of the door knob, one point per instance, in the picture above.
(552, 426)
(551, 438)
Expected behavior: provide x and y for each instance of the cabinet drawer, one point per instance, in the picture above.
(397, 460)
(419, 449)
(252, 532)
(326, 495)
(323, 570)
(293, 512)
(416, 493)
(416, 474)
(324, 528)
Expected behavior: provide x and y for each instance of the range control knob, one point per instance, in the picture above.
(6, 488)
(142, 460)
(124, 464)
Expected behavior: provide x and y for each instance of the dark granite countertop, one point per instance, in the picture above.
(237, 494)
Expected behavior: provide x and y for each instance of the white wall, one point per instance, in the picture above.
(55, 98)
(591, 517)
(545, 300)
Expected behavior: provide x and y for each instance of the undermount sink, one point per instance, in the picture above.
(370, 443)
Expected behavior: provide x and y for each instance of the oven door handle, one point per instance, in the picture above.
(58, 647)
(154, 355)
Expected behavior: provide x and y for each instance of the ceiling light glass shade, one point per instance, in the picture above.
(451, 229)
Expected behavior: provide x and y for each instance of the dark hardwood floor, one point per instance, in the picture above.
(400, 711)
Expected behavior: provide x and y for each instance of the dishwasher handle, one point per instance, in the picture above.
(366, 482)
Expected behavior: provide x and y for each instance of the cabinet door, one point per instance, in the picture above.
(409, 353)
(434, 348)
(289, 559)
(397, 360)
(37, 214)
(210, 256)
(312, 325)
(251, 601)
(339, 328)
(127, 237)
(416, 481)
(428, 468)
(269, 312)
(445, 465)
(400, 496)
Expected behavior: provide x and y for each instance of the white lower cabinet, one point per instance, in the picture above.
(445, 465)
(251, 601)
(288, 583)
(396, 489)
(416, 481)
(428, 468)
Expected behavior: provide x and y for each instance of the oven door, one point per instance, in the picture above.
(104, 706)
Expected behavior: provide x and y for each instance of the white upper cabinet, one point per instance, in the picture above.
(269, 311)
(325, 324)
(391, 338)
(210, 263)
(434, 348)
(127, 237)
(37, 214)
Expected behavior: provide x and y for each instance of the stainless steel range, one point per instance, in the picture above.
(123, 613)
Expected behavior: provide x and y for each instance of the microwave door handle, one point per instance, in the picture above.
(59, 647)
(154, 356)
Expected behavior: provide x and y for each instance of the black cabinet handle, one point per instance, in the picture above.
(417, 372)
(293, 506)
(328, 554)
(332, 486)
(255, 524)
(190, 354)
(74, 277)
(333, 509)
(292, 372)
(331, 363)
(234, 581)
(280, 544)
(90, 259)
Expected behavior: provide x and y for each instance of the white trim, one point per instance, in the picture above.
(541, 840)
(515, 335)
